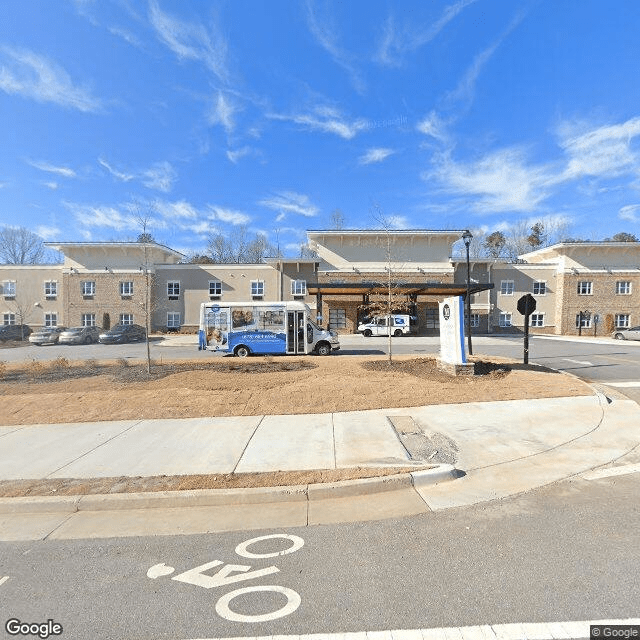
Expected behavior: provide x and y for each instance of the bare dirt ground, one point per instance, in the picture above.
(60, 392)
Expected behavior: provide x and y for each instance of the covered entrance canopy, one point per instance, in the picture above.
(408, 288)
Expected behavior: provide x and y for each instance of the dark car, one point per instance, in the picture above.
(14, 332)
(123, 333)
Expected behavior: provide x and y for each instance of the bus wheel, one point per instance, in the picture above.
(323, 349)
(367, 333)
(397, 332)
(241, 351)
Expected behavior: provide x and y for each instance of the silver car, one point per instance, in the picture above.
(46, 335)
(627, 334)
(79, 335)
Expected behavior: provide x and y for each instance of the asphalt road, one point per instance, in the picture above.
(563, 553)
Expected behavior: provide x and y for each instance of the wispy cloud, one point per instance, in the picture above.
(325, 119)
(396, 42)
(191, 41)
(101, 216)
(187, 216)
(176, 210)
(65, 172)
(375, 155)
(630, 213)
(290, 202)
(397, 222)
(466, 86)
(125, 177)
(603, 151)
(501, 181)
(160, 177)
(222, 112)
(325, 34)
(48, 233)
(30, 75)
(434, 127)
(230, 216)
(51, 185)
(237, 154)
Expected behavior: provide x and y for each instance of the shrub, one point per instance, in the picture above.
(3, 369)
(35, 368)
(59, 363)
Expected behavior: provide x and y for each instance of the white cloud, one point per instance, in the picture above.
(290, 202)
(191, 41)
(325, 119)
(180, 210)
(326, 37)
(222, 112)
(375, 155)
(631, 213)
(434, 127)
(65, 172)
(51, 185)
(25, 73)
(237, 154)
(125, 177)
(160, 176)
(502, 181)
(604, 151)
(101, 216)
(48, 233)
(203, 228)
(397, 222)
(395, 43)
(229, 215)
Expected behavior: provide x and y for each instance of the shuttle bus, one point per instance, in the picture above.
(246, 328)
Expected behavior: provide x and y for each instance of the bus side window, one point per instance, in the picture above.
(309, 333)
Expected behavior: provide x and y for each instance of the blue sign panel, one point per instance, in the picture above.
(259, 341)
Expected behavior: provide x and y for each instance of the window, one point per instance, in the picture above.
(9, 318)
(88, 320)
(585, 288)
(126, 289)
(299, 287)
(505, 319)
(173, 289)
(337, 318)
(506, 287)
(126, 318)
(9, 289)
(432, 318)
(215, 288)
(475, 320)
(173, 320)
(50, 319)
(586, 320)
(539, 288)
(51, 290)
(536, 320)
(88, 288)
(257, 288)
(622, 321)
(623, 288)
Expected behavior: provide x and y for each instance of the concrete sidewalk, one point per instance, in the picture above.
(504, 448)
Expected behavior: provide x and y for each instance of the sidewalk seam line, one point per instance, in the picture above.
(247, 445)
(333, 434)
(86, 453)
(59, 525)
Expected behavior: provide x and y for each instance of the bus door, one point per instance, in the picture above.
(295, 332)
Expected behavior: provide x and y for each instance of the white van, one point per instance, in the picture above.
(400, 325)
(246, 328)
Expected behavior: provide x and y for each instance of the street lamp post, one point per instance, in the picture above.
(467, 237)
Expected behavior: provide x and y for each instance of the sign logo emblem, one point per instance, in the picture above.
(446, 312)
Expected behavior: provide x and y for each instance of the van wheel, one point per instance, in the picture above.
(367, 333)
(619, 336)
(397, 332)
(241, 351)
(323, 349)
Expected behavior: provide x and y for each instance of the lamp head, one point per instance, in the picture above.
(467, 236)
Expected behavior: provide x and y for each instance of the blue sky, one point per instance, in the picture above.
(207, 115)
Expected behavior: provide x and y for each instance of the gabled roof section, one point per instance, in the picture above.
(554, 253)
(161, 252)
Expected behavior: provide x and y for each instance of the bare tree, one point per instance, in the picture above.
(494, 244)
(18, 245)
(337, 220)
(239, 248)
(22, 307)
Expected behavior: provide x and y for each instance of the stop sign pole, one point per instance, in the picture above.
(526, 306)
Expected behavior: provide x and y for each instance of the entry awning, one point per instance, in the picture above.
(406, 288)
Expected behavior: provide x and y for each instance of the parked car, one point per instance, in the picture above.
(123, 333)
(79, 335)
(14, 332)
(627, 334)
(46, 335)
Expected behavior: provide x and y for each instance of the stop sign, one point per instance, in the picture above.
(527, 305)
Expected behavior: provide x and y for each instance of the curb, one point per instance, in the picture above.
(221, 497)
